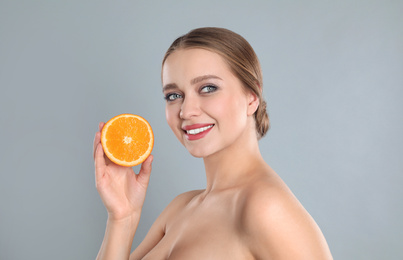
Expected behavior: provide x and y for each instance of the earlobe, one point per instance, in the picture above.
(253, 103)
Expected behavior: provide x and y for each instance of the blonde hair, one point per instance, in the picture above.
(239, 55)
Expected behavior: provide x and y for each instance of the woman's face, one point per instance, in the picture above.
(207, 107)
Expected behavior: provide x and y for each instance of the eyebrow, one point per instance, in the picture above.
(196, 80)
(202, 78)
(169, 86)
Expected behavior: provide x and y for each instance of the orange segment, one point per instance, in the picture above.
(127, 139)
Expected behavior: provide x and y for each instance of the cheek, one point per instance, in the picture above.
(231, 108)
(173, 120)
(172, 116)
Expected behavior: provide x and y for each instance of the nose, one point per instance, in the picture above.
(190, 107)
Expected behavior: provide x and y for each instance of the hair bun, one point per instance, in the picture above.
(262, 119)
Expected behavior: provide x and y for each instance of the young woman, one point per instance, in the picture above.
(212, 84)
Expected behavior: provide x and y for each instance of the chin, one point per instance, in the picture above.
(202, 151)
(197, 154)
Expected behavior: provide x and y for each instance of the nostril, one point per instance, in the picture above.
(189, 108)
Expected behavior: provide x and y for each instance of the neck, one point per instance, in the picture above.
(233, 165)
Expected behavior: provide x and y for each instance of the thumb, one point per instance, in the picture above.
(145, 171)
(99, 162)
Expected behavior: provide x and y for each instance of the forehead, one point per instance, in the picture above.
(185, 64)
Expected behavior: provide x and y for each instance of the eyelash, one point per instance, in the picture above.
(168, 96)
(211, 88)
(214, 88)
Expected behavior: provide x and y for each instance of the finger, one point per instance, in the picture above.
(144, 174)
(97, 140)
(99, 162)
(101, 125)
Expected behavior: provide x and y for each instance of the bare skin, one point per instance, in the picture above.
(246, 210)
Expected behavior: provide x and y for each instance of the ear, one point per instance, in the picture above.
(253, 103)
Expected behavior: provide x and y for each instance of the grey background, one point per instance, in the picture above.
(332, 78)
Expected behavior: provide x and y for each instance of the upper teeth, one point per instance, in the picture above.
(198, 130)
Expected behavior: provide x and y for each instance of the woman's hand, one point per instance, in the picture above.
(121, 190)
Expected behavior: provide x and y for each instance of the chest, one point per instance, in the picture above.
(204, 231)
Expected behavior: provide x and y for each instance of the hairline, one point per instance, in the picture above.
(221, 54)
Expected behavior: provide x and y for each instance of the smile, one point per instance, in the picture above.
(198, 130)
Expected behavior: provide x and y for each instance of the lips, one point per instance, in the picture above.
(197, 131)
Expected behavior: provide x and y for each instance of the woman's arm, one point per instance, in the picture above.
(123, 193)
(118, 238)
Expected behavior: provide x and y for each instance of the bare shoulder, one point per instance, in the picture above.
(277, 225)
(158, 229)
(186, 196)
(182, 200)
(177, 204)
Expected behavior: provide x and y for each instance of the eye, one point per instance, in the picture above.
(172, 97)
(208, 89)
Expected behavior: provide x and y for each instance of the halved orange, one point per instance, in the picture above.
(127, 139)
